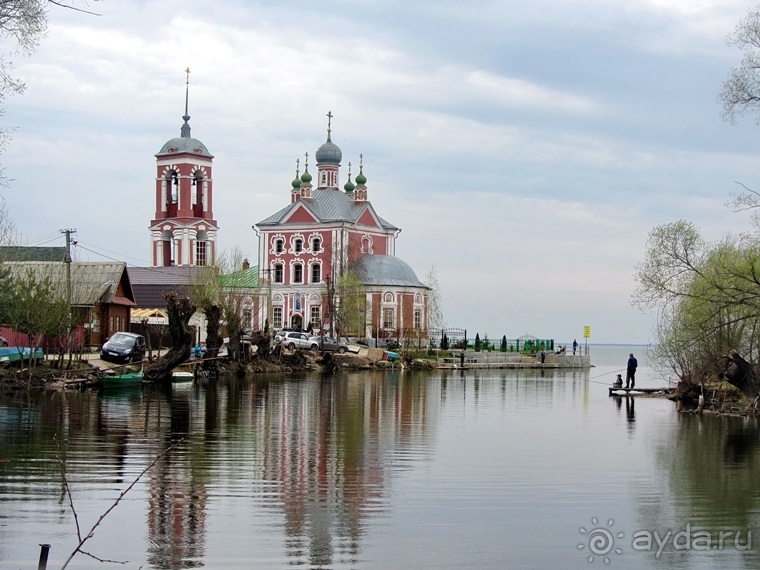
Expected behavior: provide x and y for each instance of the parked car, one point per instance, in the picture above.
(292, 339)
(328, 344)
(124, 347)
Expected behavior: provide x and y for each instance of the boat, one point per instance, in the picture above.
(16, 353)
(182, 376)
(122, 380)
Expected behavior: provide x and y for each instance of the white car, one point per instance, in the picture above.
(292, 339)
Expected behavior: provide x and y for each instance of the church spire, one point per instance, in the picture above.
(185, 131)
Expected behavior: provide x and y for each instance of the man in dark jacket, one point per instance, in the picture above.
(630, 375)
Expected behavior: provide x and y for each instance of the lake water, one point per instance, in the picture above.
(408, 470)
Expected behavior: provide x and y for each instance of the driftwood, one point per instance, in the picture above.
(738, 372)
(180, 309)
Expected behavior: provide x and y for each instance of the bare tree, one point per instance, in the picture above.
(740, 93)
(435, 304)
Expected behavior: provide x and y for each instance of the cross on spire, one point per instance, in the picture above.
(185, 130)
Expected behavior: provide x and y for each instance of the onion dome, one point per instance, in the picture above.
(306, 177)
(361, 180)
(296, 181)
(329, 153)
(349, 186)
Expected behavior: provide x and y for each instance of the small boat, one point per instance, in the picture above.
(16, 353)
(122, 380)
(182, 376)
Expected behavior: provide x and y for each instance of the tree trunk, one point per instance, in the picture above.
(213, 340)
(739, 373)
(180, 309)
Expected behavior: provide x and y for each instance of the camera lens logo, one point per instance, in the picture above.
(601, 540)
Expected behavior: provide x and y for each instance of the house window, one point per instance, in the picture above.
(279, 245)
(316, 244)
(316, 273)
(387, 318)
(200, 253)
(278, 273)
(418, 319)
(316, 318)
(298, 273)
(277, 317)
(298, 245)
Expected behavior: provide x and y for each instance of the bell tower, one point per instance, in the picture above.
(183, 230)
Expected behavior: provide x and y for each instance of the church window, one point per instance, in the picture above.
(316, 273)
(247, 318)
(316, 318)
(298, 273)
(278, 245)
(324, 179)
(298, 245)
(388, 318)
(388, 298)
(316, 244)
(418, 319)
(278, 273)
(198, 197)
(200, 253)
(277, 317)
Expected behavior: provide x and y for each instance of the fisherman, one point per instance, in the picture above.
(630, 371)
(618, 383)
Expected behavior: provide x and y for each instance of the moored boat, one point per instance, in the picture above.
(122, 380)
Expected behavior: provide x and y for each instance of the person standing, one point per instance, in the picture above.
(575, 346)
(630, 373)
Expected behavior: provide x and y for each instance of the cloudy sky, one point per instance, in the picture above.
(526, 148)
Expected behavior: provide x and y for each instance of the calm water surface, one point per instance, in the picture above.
(449, 469)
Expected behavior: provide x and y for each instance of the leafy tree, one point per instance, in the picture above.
(503, 347)
(444, 342)
(349, 303)
(706, 298)
(35, 307)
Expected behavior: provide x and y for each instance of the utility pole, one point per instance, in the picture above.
(67, 261)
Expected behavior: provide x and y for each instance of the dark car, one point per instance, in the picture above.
(327, 344)
(124, 347)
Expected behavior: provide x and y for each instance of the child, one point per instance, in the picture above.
(618, 382)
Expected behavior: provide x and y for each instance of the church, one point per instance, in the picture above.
(321, 236)
(325, 237)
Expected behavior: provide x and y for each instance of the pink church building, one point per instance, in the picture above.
(319, 235)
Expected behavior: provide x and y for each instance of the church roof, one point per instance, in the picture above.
(187, 145)
(328, 205)
(150, 283)
(387, 270)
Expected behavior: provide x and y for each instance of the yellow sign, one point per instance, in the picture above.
(586, 332)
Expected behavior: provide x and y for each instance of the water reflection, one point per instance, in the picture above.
(360, 470)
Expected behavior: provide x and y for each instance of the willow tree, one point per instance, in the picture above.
(348, 299)
(706, 297)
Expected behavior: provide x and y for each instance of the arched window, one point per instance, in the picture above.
(277, 317)
(198, 190)
(201, 248)
(279, 245)
(298, 273)
(168, 248)
(418, 319)
(316, 245)
(278, 273)
(316, 273)
(298, 245)
(172, 193)
(388, 298)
